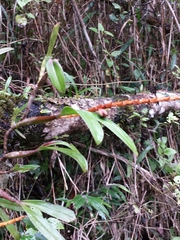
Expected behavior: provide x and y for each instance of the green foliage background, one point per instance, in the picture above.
(105, 48)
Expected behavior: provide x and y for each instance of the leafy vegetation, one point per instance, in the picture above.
(124, 182)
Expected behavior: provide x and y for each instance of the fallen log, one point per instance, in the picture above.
(145, 104)
(51, 126)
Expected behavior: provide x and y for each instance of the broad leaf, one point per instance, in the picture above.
(78, 201)
(11, 228)
(71, 151)
(56, 75)
(5, 49)
(98, 204)
(10, 205)
(93, 125)
(67, 111)
(124, 47)
(56, 211)
(42, 224)
(119, 132)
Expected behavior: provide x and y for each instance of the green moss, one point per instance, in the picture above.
(7, 103)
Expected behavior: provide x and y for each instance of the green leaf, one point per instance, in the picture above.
(175, 238)
(98, 204)
(169, 151)
(73, 153)
(93, 29)
(24, 168)
(21, 19)
(52, 40)
(42, 224)
(124, 47)
(173, 61)
(56, 75)
(30, 15)
(9, 205)
(116, 6)
(119, 132)
(108, 33)
(56, 211)
(23, 3)
(92, 122)
(5, 49)
(78, 201)
(56, 223)
(128, 89)
(8, 81)
(100, 27)
(113, 17)
(120, 186)
(67, 111)
(11, 228)
(109, 62)
(92, 119)
(144, 153)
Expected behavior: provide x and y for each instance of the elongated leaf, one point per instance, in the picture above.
(119, 132)
(42, 224)
(49, 52)
(11, 228)
(60, 75)
(5, 49)
(98, 204)
(56, 223)
(67, 111)
(73, 153)
(93, 125)
(8, 81)
(53, 39)
(24, 168)
(78, 201)
(10, 205)
(120, 186)
(56, 211)
(143, 154)
(93, 29)
(124, 47)
(100, 27)
(56, 75)
(91, 121)
(96, 130)
(56, 142)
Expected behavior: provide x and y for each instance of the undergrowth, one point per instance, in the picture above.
(105, 48)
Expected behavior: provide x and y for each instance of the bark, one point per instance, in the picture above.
(68, 125)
